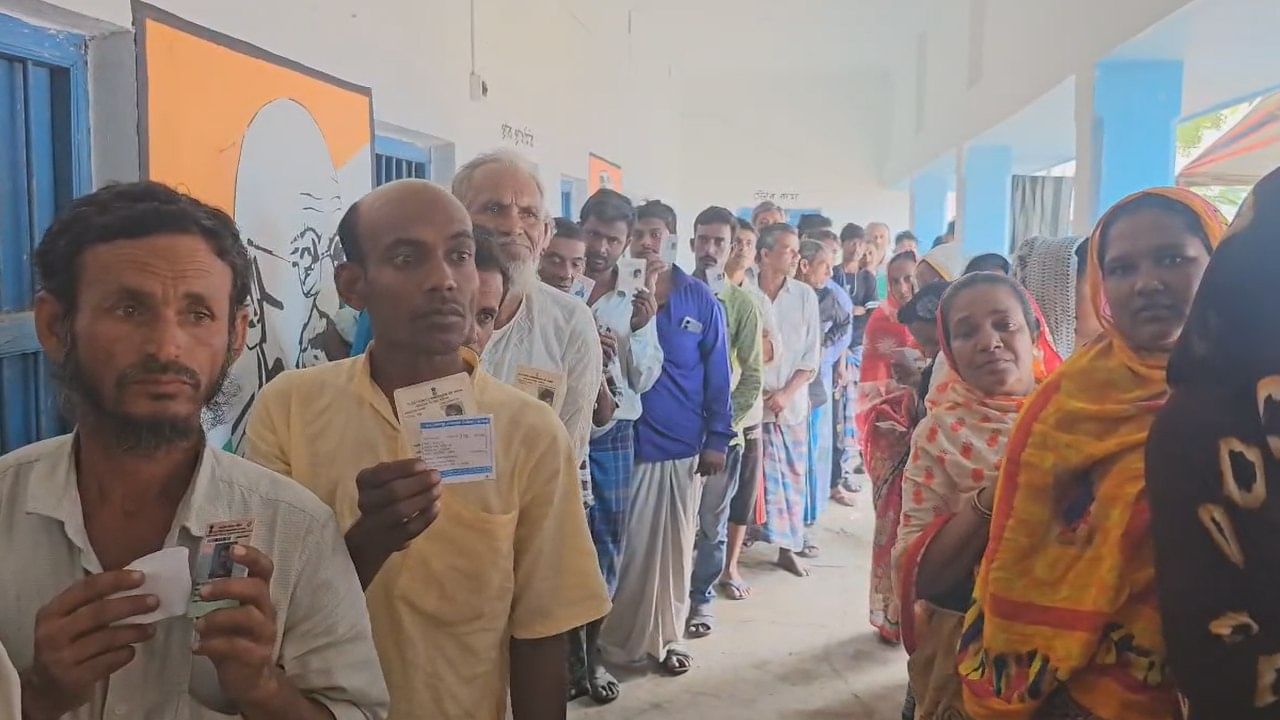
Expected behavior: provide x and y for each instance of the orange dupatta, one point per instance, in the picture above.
(1065, 594)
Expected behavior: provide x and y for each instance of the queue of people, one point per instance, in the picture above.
(1058, 533)
(1079, 538)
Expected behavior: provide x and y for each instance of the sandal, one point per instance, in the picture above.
(735, 589)
(677, 662)
(810, 551)
(700, 623)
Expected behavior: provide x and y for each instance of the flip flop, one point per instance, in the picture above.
(735, 589)
(810, 552)
(700, 623)
(677, 662)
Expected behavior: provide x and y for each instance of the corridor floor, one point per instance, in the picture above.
(798, 648)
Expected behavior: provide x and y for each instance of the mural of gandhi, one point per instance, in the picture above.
(288, 203)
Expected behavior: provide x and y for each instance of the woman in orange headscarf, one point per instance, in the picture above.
(1065, 622)
(989, 333)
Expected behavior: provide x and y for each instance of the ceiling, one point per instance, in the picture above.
(1228, 48)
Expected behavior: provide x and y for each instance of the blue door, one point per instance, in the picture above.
(44, 162)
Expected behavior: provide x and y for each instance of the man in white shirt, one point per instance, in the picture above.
(141, 312)
(539, 329)
(797, 354)
(634, 360)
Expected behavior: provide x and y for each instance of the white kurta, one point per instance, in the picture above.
(798, 347)
(553, 331)
(639, 362)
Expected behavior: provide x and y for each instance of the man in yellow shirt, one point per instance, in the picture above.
(507, 566)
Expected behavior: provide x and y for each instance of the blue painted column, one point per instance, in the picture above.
(929, 206)
(986, 198)
(1136, 107)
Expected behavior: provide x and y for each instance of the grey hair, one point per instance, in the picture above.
(764, 207)
(810, 249)
(769, 234)
(464, 179)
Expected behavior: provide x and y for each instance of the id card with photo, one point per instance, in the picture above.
(542, 384)
(670, 249)
(582, 287)
(631, 273)
(459, 448)
(214, 562)
(450, 396)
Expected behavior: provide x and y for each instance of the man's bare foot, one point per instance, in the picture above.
(603, 686)
(840, 497)
(788, 561)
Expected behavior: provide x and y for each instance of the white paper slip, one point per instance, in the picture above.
(167, 575)
(542, 384)
(582, 287)
(450, 396)
(459, 448)
(214, 562)
(630, 275)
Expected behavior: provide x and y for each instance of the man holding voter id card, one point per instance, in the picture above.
(681, 439)
(459, 493)
(147, 574)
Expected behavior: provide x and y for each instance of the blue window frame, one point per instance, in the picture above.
(44, 163)
(395, 159)
(566, 198)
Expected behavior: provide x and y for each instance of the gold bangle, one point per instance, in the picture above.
(984, 513)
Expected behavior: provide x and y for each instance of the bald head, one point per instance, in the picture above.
(411, 264)
(394, 202)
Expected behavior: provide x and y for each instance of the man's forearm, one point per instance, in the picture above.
(366, 559)
(284, 701)
(539, 678)
(799, 379)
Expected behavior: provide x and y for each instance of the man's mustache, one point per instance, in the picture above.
(153, 366)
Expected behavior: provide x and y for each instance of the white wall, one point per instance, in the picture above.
(825, 146)
(583, 76)
(979, 73)
(563, 69)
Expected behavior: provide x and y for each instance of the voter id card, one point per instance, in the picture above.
(214, 562)
(459, 448)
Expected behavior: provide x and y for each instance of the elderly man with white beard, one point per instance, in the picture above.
(543, 338)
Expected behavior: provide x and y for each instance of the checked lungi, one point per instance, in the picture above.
(612, 457)
(786, 462)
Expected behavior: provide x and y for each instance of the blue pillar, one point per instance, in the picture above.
(1136, 107)
(928, 206)
(986, 200)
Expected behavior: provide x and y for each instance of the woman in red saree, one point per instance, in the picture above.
(887, 411)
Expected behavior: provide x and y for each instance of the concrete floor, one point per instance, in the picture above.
(797, 648)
